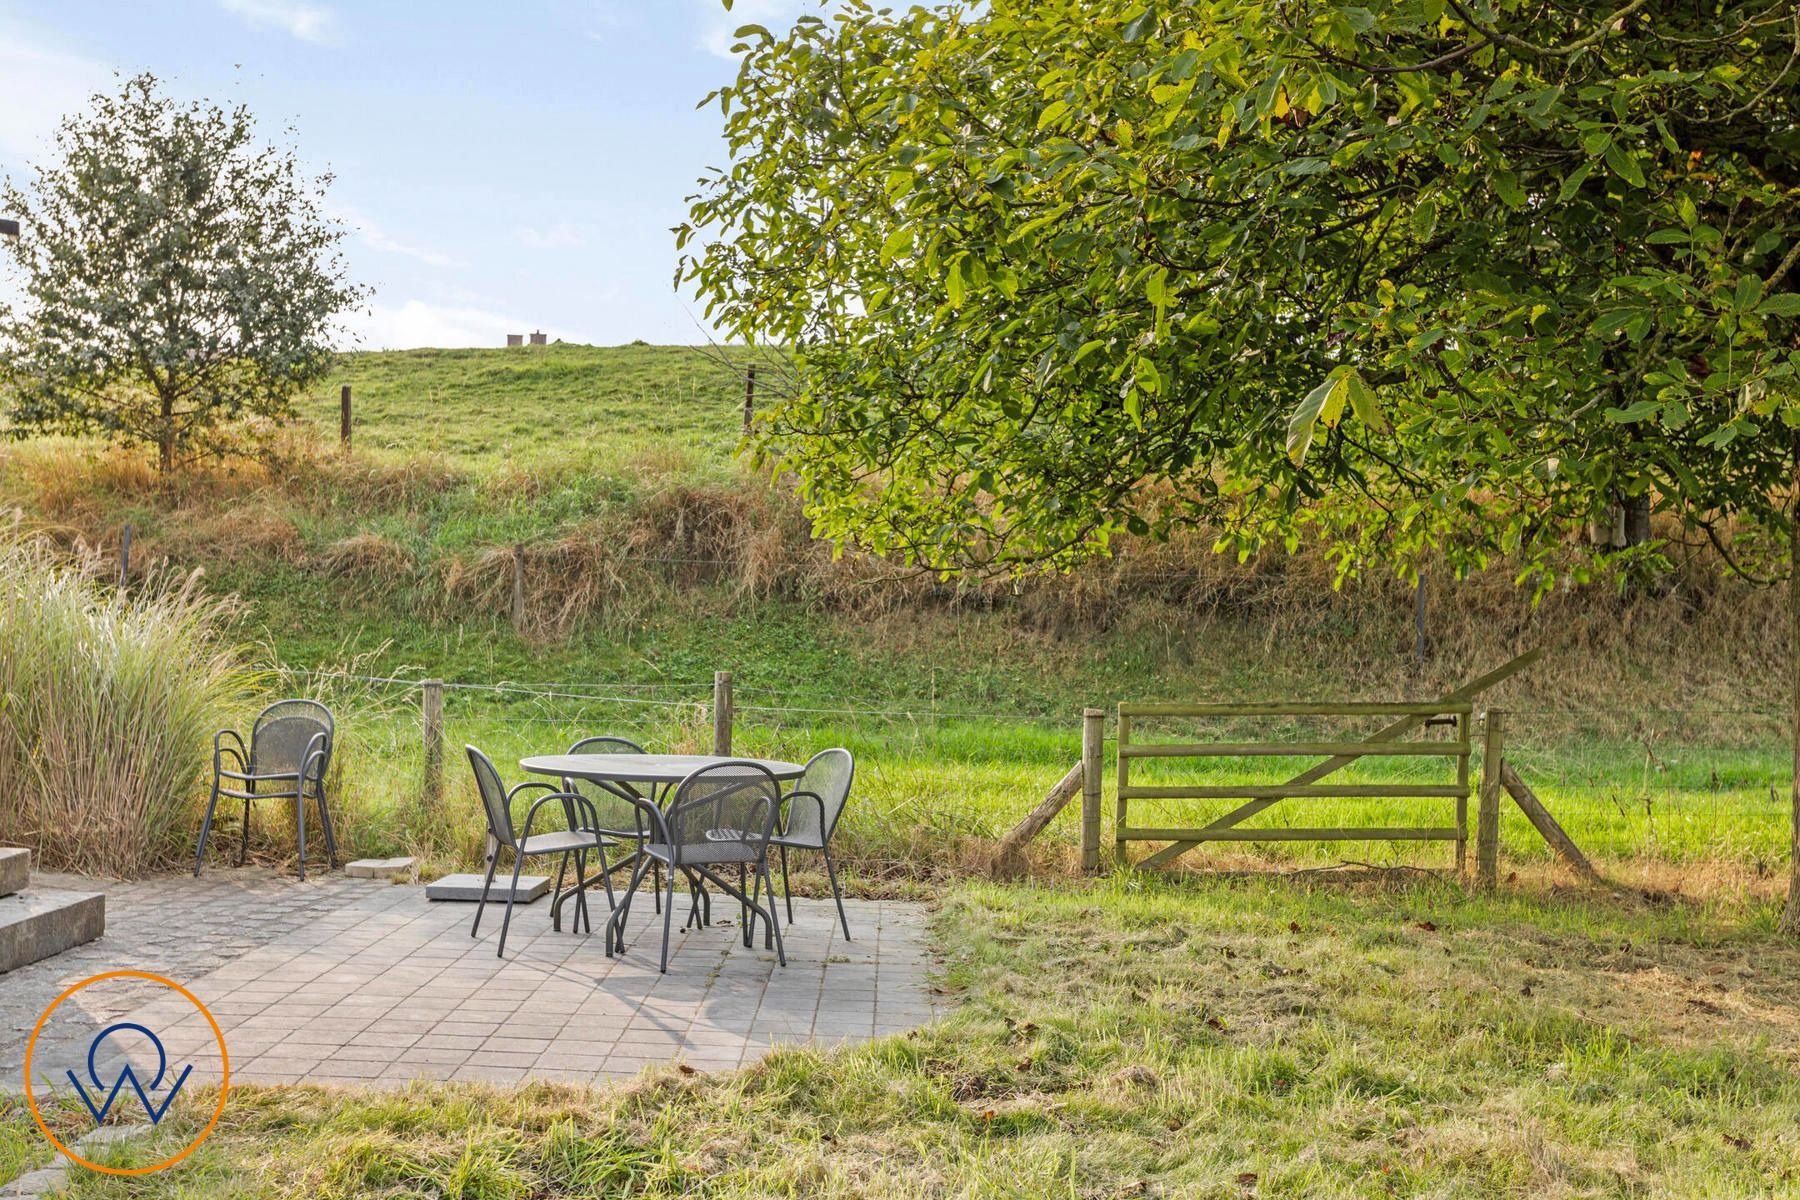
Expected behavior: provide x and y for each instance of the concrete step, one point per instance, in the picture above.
(46, 921)
(467, 888)
(15, 869)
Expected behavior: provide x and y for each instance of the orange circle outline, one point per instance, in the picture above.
(224, 1084)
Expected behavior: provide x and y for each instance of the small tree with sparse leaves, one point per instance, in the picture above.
(177, 275)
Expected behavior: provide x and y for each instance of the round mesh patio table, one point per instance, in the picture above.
(655, 770)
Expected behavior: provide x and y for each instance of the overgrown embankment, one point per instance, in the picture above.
(652, 557)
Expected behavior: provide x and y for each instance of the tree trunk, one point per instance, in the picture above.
(165, 437)
(1637, 519)
(1790, 919)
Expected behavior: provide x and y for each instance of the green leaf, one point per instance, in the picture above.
(1363, 403)
(1139, 27)
(1624, 165)
(1311, 411)
(1506, 186)
(1787, 304)
(1748, 294)
(1573, 182)
(953, 284)
(1052, 111)
(896, 243)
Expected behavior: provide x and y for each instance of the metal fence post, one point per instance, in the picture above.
(344, 418)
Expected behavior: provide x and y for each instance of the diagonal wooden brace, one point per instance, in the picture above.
(1318, 771)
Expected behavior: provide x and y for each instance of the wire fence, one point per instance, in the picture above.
(1675, 784)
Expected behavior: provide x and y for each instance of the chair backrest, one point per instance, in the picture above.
(284, 731)
(493, 798)
(828, 776)
(725, 807)
(611, 800)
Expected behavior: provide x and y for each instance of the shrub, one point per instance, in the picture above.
(108, 702)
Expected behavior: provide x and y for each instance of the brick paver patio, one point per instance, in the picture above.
(350, 981)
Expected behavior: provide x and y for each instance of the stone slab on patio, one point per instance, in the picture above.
(378, 985)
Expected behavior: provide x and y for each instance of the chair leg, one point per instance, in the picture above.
(774, 923)
(668, 921)
(615, 924)
(581, 911)
(331, 854)
(300, 826)
(511, 894)
(605, 879)
(837, 893)
(656, 883)
(493, 861)
(556, 896)
(206, 828)
(244, 831)
(786, 891)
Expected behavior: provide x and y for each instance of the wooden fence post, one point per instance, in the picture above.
(749, 398)
(1487, 821)
(722, 713)
(518, 599)
(344, 418)
(1122, 732)
(431, 723)
(125, 555)
(1093, 749)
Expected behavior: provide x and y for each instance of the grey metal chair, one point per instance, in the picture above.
(721, 815)
(287, 757)
(619, 818)
(810, 816)
(579, 837)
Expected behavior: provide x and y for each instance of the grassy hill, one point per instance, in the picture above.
(653, 558)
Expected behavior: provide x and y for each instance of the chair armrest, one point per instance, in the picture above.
(313, 762)
(570, 801)
(781, 825)
(237, 751)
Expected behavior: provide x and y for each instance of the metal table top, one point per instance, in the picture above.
(642, 768)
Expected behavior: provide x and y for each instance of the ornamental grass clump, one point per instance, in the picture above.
(108, 703)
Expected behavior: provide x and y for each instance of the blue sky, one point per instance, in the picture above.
(505, 167)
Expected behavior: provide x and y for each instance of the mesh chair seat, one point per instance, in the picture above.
(555, 843)
(710, 853)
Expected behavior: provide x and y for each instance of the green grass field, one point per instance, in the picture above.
(615, 467)
(1230, 1037)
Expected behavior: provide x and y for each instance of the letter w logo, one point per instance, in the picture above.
(127, 1075)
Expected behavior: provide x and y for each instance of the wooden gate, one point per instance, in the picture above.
(1389, 742)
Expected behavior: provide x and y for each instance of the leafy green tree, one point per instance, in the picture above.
(1435, 277)
(176, 273)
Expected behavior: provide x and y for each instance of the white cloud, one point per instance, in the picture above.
(375, 237)
(39, 85)
(416, 324)
(563, 235)
(308, 22)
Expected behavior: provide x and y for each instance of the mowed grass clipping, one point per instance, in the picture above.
(1232, 1037)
